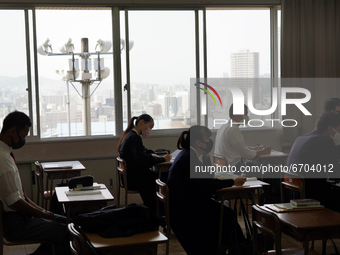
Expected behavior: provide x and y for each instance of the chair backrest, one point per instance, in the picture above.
(122, 172)
(220, 160)
(269, 224)
(162, 193)
(292, 181)
(39, 173)
(78, 243)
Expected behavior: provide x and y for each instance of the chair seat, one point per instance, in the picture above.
(294, 251)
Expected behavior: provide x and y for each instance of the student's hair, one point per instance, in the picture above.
(331, 104)
(190, 136)
(231, 110)
(146, 117)
(16, 119)
(327, 119)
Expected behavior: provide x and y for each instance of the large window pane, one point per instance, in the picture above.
(238, 46)
(13, 68)
(61, 101)
(162, 61)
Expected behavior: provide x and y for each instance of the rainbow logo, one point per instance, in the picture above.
(197, 84)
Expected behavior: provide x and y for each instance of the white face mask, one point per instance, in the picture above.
(336, 138)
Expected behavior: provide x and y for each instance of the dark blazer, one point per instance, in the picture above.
(138, 158)
(194, 216)
(315, 149)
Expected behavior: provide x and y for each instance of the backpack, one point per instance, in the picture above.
(110, 221)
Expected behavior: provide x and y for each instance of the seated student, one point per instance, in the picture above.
(22, 218)
(194, 216)
(332, 105)
(317, 149)
(139, 159)
(230, 142)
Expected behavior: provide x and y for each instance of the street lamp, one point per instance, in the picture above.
(72, 73)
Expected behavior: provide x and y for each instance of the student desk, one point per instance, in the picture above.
(80, 203)
(274, 158)
(235, 192)
(61, 170)
(162, 168)
(142, 243)
(308, 225)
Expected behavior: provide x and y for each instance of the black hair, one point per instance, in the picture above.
(331, 103)
(231, 110)
(16, 119)
(190, 136)
(327, 119)
(146, 117)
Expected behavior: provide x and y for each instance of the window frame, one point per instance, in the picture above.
(201, 65)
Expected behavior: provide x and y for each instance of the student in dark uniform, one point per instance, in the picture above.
(194, 216)
(139, 159)
(318, 149)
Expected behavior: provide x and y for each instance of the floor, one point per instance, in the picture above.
(176, 248)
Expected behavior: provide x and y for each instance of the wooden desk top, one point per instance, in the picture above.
(239, 188)
(99, 242)
(309, 220)
(104, 195)
(275, 154)
(62, 166)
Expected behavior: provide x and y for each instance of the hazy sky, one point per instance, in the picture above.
(164, 47)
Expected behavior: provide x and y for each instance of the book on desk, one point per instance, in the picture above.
(288, 207)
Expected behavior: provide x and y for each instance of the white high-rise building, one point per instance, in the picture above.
(246, 64)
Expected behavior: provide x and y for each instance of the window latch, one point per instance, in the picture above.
(125, 87)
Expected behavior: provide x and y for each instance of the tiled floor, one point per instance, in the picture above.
(176, 248)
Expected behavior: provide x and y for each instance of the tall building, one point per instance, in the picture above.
(246, 64)
(170, 106)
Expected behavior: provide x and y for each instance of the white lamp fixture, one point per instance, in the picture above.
(45, 48)
(67, 47)
(103, 46)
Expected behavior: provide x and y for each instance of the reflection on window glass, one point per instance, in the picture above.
(68, 107)
(13, 69)
(238, 46)
(162, 61)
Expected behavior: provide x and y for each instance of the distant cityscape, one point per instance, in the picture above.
(168, 105)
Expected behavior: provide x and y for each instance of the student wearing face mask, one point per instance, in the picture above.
(194, 215)
(230, 142)
(140, 159)
(22, 219)
(318, 148)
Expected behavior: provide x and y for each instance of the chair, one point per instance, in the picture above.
(122, 180)
(78, 244)
(220, 160)
(162, 193)
(293, 181)
(4, 241)
(269, 224)
(45, 195)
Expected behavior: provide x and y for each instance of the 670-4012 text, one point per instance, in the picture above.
(314, 168)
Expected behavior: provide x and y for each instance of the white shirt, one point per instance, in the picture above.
(230, 143)
(10, 182)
